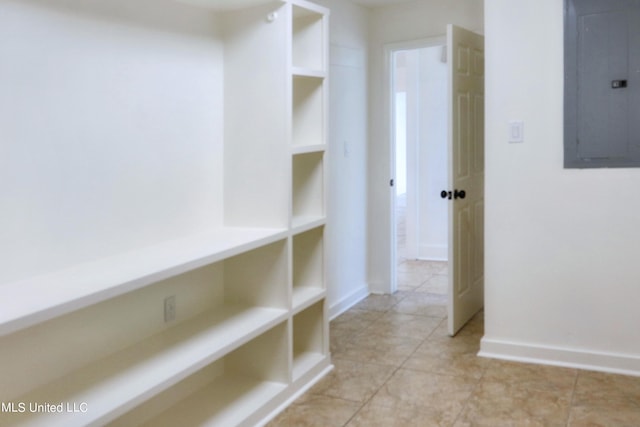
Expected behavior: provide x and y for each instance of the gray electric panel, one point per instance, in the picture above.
(602, 83)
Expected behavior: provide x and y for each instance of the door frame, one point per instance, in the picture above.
(389, 48)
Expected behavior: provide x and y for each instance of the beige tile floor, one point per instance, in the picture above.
(396, 366)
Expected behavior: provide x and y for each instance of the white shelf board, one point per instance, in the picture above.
(116, 384)
(307, 72)
(305, 362)
(304, 296)
(228, 401)
(228, 4)
(301, 223)
(305, 149)
(37, 299)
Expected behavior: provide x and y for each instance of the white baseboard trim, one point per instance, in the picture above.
(614, 363)
(378, 288)
(348, 301)
(433, 253)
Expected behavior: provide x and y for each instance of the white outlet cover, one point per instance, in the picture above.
(516, 131)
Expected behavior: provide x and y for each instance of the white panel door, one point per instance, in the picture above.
(466, 176)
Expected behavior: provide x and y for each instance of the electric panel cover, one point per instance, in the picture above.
(602, 83)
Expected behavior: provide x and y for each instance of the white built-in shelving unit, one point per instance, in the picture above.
(249, 329)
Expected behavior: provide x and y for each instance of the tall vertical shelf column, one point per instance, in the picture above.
(309, 92)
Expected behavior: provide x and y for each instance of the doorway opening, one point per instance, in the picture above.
(419, 107)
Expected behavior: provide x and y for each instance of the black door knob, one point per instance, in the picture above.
(457, 194)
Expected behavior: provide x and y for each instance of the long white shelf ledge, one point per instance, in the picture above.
(112, 386)
(226, 402)
(302, 223)
(40, 298)
(304, 296)
(308, 72)
(305, 149)
(305, 362)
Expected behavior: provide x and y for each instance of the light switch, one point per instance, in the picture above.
(516, 131)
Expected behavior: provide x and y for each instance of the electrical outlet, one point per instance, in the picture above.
(170, 309)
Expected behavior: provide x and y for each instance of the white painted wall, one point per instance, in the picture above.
(111, 128)
(433, 163)
(561, 245)
(395, 23)
(421, 77)
(409, 78)
(346, 233)
(401, 142)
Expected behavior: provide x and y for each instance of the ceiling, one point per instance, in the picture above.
(373, 3)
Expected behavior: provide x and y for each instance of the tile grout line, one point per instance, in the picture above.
(573, 394)
(397, 368)
(473, 391)
(385, 381)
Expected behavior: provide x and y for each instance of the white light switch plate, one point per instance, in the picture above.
(516, 131)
